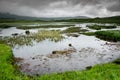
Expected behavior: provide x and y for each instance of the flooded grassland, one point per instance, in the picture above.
(52, 50)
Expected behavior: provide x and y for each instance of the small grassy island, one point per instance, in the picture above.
(99, 27)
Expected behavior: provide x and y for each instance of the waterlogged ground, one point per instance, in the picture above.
(88, 51)
(12, 30)
(71, 53)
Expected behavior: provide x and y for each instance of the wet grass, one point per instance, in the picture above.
(44, 26)
(7, 68)
(4, 26)
(17, 40)
(53, 35)
(117, 61)
(99, 27)
(89, 33)
(112, 35)
(26, 25)
(109, 71)
(74, 30)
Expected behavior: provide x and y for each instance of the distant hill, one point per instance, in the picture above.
(17, 17)
(67, 18)
(6, 17)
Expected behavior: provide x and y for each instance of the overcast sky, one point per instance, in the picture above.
(61, 8)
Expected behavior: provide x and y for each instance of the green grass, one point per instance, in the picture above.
(44, 26)
(89, 33)
(18, 40)
(99, 27)
(50, 24)
(109, 71)
(53, 35)
(7, 69)
(112, 35)
(4, 26)
(74, 30)
(112, 19)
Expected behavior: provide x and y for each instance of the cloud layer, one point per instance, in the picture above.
(61, 8)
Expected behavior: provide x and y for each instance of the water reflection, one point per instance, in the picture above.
(39, 59)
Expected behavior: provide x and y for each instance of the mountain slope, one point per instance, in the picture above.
(12, 16)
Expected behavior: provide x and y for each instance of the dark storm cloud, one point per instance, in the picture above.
(54, 8)
(86, 2)
(115, 6)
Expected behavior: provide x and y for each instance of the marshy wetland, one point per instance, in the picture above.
(59, 47)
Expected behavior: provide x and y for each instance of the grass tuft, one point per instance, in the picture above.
(5, 26)
(112, 35)
(89, 33)
(99, 27)
(74, 30)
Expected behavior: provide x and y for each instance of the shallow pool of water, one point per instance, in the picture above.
(47, 46)
(38, 58)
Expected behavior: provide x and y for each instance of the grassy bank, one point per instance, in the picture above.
(110, 71)
(44, 26)
(5, 26)
(112, 35)
(99, 27)
(34, 25)
(7, 68)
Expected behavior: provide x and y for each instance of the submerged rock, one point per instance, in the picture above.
(33, 58)
(54, 52)
(60, 52)
(14, 34)
(70, 45)
(27, 32)
(88, 67)
(73, 35)
(18, 59)
(66, 51)
(117, 61)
